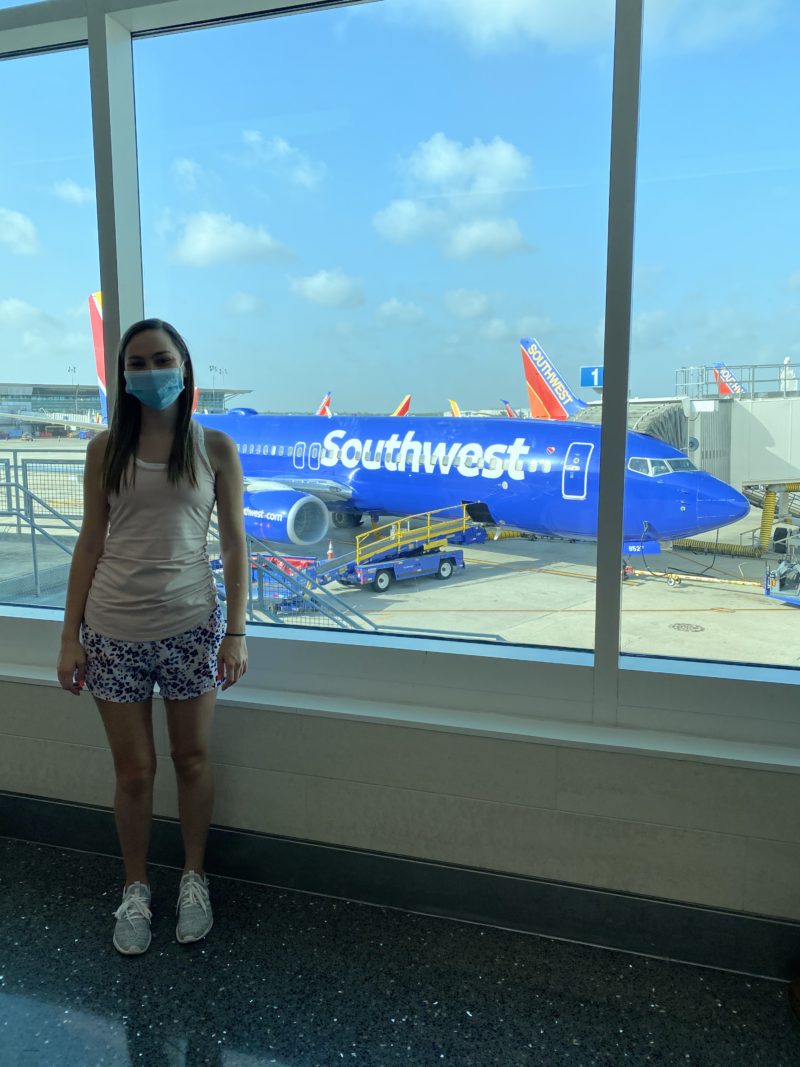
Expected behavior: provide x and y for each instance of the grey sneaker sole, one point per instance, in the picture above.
(135, 950)
(189, 940)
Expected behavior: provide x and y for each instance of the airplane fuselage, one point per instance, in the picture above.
(538, 475)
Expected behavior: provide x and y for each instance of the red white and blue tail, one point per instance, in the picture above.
(96, 319)
(727, 382)
(404, 406)
(548, 394)
(325, 406)
(508, 409)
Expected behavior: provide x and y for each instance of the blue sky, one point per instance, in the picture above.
(383, 200)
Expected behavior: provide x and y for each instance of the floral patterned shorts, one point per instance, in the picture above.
(185, 666)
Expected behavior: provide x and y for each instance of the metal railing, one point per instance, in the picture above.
(432, 527)
(757, 380)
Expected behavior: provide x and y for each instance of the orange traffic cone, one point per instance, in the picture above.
(330, 549)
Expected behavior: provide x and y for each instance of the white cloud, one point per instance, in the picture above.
(531, 325)
(468, 185)
(651, 329)
(186, 173)
(572, 24)
(331, 288)
(15, 312)
(28, 332)
(490, 24)
(73, 193)
(685, 25)
(467, 303)
(400, 310)
(404, 221)
(283, 158)
(498, 237)
(210, 238)
(496, 330)
(484, 169)
(242, 304)
(18, 233)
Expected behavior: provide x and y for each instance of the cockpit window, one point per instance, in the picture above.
(658, 466)
(653, 468)
(681, 465)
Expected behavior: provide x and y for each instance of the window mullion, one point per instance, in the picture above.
(622, 189)
(117, 180)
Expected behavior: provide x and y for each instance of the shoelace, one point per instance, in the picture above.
(133, 903)
(194, 892)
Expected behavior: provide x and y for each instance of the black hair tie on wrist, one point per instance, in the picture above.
(234, 635)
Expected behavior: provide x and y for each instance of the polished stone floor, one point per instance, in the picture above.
(302, 981)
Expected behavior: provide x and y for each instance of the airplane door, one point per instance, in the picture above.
(575, 473)
(300, 455)
(313, 456)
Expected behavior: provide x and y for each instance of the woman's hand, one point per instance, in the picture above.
(71, 666)
(231, 661)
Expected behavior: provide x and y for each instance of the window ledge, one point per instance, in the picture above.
(507, 727)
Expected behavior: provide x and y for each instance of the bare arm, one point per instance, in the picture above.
(232, 660)
(88, 550)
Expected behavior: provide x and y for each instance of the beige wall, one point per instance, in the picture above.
(682, 829)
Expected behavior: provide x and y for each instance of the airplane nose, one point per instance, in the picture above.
(719, 504)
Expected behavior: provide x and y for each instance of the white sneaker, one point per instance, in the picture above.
(194, 908)
(132, 932)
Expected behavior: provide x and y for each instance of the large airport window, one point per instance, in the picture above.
(49, 402)
(713, 533)
(385, 200)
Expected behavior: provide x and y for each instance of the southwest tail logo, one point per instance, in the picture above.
(455, 410)
(404, 406)
(96, 319)
(548, 394)
(727, 382)
(508, 409)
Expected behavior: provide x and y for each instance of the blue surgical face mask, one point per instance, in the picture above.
(155, 388)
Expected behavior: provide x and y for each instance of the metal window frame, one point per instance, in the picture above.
(107, 28)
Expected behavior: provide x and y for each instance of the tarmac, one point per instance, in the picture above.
(513, 591)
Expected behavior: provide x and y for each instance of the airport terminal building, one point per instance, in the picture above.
(80, 400)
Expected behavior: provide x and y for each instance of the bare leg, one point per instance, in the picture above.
(129, 728)
(189, 723)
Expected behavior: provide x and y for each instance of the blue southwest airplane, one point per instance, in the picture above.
(303, 473)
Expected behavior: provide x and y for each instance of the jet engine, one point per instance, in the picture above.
(272, 512)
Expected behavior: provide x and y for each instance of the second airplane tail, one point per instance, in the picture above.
(727, 382)
(549, 395)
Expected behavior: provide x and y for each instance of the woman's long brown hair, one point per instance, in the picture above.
(126, 422)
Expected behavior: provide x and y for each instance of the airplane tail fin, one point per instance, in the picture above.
(325, 406)
(549, 395)
(508, 409)
(404, 406)
(727, 382)
(96, 319)
(455, 410)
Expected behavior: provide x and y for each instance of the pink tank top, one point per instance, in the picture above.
(153, 579)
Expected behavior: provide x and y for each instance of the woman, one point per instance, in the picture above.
(142, 607)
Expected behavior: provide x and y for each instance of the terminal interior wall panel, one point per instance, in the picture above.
(683, 830)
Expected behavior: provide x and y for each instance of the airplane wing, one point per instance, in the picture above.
(325, 489)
